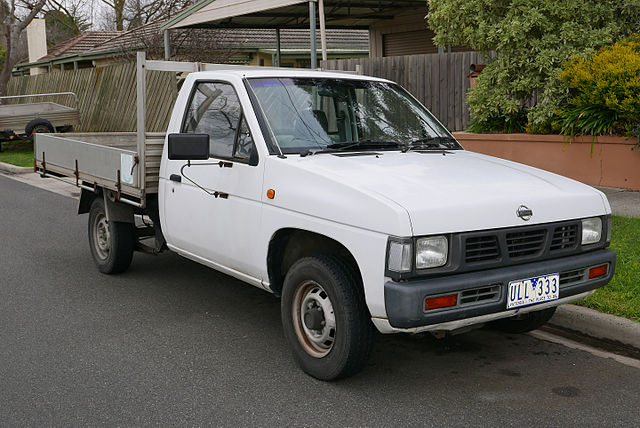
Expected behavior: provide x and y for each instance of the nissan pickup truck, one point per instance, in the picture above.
(344, 197)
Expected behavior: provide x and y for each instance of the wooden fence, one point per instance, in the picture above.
(106, 95)
(439, 81)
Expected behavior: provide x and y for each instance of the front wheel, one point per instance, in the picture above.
(325, 318)
(525, 322)
(111, 243)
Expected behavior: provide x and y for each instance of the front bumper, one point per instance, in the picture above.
(404, 301)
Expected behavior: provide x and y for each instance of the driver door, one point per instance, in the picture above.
(214, 206)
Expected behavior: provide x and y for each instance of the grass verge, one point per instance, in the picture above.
(622, 295)
(18, 153)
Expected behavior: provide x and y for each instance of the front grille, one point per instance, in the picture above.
(482, 248)
(572, 276)
(564, 237)
(487, 249)
(479, 295)
(522, 244)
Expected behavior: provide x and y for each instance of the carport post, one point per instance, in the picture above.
(312, 27)
(278, 52)
(323, 30)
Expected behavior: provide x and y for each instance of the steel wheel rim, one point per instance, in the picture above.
(101, 236)
(314, 319)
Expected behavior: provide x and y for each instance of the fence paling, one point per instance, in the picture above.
(439, 81)
(107, 96)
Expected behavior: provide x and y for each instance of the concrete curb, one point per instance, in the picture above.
(12, 169)
(597, 324)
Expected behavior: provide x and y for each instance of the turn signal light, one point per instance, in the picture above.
(597, 271)
(440, 302)
(271, 193)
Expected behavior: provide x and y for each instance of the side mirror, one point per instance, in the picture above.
(188, 146)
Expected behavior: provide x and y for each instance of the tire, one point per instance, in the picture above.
(334, 342)
(39, 125)
(525, 322)
(111, 243)
(66, 128)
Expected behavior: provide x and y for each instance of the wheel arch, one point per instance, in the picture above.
(288, 245)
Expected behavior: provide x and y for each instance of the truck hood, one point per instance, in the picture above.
(461, 190)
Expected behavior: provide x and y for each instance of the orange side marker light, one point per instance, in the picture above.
(271, 193)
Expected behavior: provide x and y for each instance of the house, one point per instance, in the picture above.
(67, 55)
(395, 28)
(242, 46)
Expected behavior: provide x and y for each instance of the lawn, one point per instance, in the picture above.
(622, 295)
(19, 153)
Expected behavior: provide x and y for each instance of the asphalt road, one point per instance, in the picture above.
(173, 343)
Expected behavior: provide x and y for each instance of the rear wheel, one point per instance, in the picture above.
(111, 243)
(525, 322)
(325, 318)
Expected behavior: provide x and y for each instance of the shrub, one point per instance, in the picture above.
(604, 91)
(533, 39)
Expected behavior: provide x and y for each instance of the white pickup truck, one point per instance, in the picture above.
(342, 195)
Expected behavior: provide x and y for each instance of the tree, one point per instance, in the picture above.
(15, 18)
(117, 6)
(130, 14)
(65, 19)
(532, 40)
(141, 12)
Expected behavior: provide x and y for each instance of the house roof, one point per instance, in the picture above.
(243, 38)
(81, 43)
(100, 44)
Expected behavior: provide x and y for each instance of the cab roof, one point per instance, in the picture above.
(213, 71)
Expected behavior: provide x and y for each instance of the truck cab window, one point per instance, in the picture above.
(244, 145)
(215, 110)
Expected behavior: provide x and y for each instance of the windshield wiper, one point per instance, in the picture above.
(363, 144)
(432, 143)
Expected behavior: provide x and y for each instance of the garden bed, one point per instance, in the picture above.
(615, 161)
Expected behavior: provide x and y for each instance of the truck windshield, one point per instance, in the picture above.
(322, 114)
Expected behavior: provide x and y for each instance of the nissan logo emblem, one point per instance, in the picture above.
(524, 213)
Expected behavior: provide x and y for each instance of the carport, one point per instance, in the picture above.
(277, 14)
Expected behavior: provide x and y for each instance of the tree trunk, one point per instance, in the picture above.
(119, 19)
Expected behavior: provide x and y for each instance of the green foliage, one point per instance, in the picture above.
(514, 123)
(3, 52)
(533, 39)
(604, 90)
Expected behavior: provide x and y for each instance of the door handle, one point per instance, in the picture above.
(176, 178)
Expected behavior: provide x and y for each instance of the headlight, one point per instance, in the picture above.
(591, 230)
(399, 257)
(431, 252)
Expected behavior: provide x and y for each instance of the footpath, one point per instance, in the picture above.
(572, 318)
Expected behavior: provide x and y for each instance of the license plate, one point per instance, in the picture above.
(533, 290)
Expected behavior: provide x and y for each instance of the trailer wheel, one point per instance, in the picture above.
(325, 318)
(38, 125)
(525, 322)
(111, 243)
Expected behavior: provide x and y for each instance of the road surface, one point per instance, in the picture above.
(171, 342)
